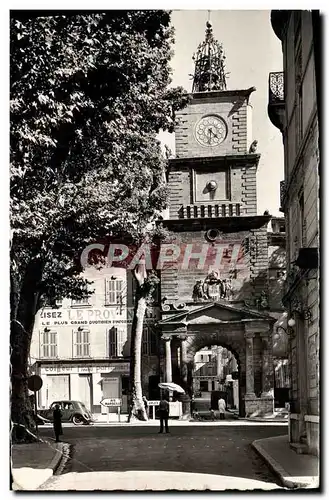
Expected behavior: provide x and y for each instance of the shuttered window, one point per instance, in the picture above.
(113, 292)
(84, 301)
(149, 341)
(121, 340)
(49, 344)
(113, 342)
(82, 344)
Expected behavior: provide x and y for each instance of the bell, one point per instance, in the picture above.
(212, 185)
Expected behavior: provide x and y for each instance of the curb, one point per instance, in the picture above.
(58, 462)
(54, 464)
(276, 467)
(264, 420)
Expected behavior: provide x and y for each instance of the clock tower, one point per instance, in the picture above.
(216, 160)
(216, 292)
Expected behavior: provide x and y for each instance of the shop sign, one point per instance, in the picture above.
(118, 367)
(111, 402)
(153, 403)
(94, 316)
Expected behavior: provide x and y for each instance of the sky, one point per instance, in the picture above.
(252, 51)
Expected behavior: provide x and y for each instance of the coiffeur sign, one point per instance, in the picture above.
(115, 367)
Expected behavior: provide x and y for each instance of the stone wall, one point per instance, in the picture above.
(240, 179)
(233, 109)
(244, 261)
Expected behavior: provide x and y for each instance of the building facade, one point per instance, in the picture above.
(293, 109)
(218, 290)
(81, 349)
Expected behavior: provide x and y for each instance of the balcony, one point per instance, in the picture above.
(202, 211)
(276, 104)
(282, 195)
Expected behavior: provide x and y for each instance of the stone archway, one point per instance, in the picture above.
(198, 340)
(209, 376)
(247, 334)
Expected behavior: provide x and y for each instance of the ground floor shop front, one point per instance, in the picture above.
(88, 382)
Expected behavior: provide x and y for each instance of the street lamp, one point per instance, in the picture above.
(288, 331)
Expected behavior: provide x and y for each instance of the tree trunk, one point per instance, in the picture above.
(137, 408)
(23, 311)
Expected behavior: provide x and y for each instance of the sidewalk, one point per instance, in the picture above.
(294, 470)
(32, 464)
(230, 417)
(191, 423)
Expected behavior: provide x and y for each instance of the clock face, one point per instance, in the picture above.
(210, 131)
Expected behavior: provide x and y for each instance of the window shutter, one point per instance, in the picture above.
(153, 343)
(53, 344)
(110, 291)
(82, 343)
(77, 335)
(145, 340)
(113, 335)
(121, 341)
(106, 287)
(45, 345)
(85, 342)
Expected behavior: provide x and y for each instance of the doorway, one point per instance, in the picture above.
(85, 388)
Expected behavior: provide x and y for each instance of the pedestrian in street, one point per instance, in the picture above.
(193, 409)
(146, 405)
(221, 408)
(212, 414)
(57, 422)
(164, 415)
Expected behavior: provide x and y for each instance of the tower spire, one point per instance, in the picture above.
(209, 72)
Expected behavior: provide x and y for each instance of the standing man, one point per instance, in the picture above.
(57, 422)
(221, 408)
(164, 415)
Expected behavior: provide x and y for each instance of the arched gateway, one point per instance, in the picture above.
(246, 333)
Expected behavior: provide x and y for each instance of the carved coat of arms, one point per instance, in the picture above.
(212, 288)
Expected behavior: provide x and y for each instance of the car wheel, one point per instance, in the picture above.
(77, 420)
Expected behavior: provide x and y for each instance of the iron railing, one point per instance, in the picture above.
(276, 87)
(282, 192)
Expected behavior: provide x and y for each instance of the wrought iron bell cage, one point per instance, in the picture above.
(209, 72)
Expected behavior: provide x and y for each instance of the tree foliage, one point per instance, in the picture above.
(89, 93)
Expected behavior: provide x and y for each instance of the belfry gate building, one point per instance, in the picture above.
(217, 293)
(220, 287)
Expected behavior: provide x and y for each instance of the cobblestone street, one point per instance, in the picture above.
(223, 450)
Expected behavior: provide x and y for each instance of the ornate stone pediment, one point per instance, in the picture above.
(216, 313)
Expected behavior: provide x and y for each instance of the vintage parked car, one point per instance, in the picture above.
(72, 411)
